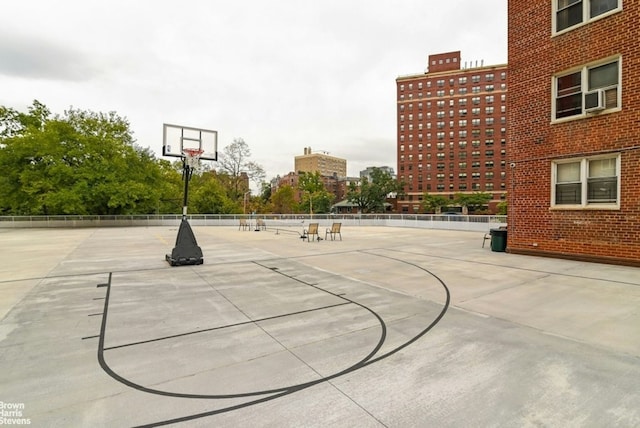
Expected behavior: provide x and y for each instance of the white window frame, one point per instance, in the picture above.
(584, 88)
(586, 19)
(583, 181)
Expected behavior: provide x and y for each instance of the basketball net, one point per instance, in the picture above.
(192, 157)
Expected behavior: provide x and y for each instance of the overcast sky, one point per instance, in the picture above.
(282, 75)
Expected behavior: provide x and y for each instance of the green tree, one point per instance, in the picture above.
(315, 198)
(283, 200)
(502, 207)
(370, 195)
(234, 161)
(80, 162)
(472, 201)
(434, 203)
(209, 196)
(170, 187)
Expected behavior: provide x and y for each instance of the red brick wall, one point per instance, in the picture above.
(533, 141)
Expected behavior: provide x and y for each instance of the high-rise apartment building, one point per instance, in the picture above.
(573, 117)
(320, 162)
(451, 135)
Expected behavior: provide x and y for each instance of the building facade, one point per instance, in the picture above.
(338, 186)
(367, 171)
(451, 131)
(573, 134)
(320, 162)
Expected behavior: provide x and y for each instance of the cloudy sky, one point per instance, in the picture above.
(282, 75)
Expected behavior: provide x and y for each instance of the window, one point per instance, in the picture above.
(601, 80)
(569, 13)
(586, 182)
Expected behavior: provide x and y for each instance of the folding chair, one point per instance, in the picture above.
(311, 232)
(333, 231)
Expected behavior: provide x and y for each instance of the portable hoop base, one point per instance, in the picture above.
(186, 251)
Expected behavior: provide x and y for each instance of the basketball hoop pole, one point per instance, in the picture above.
(186, 251)
(188, 165)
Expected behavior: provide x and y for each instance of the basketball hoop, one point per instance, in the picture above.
(192, 157)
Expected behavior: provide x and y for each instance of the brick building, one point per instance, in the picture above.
(573, 114)
(451, 135)
(333, 184)
(321, 162)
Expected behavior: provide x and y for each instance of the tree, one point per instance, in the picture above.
(434, 202)
(370, 195)
(283, 200)
(472, 201)
(502, 207)
(77, 163)
(234, 162)
(209, 196)
(170, 187)
(315, 198)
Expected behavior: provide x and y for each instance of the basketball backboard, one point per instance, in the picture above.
(176, 138)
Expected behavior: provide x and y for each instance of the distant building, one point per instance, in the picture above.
(367, 172)
(321, 162)
(574, 145)
(451, 131)
(333, 184)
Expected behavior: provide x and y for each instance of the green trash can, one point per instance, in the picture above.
(498, 239)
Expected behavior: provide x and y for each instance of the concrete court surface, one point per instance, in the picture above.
(390, 327)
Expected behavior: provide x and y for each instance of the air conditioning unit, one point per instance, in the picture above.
(594, 101)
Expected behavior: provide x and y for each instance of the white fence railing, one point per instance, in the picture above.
(425, 221)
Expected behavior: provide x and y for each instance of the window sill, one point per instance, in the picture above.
(585, 115)
(593, 207)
